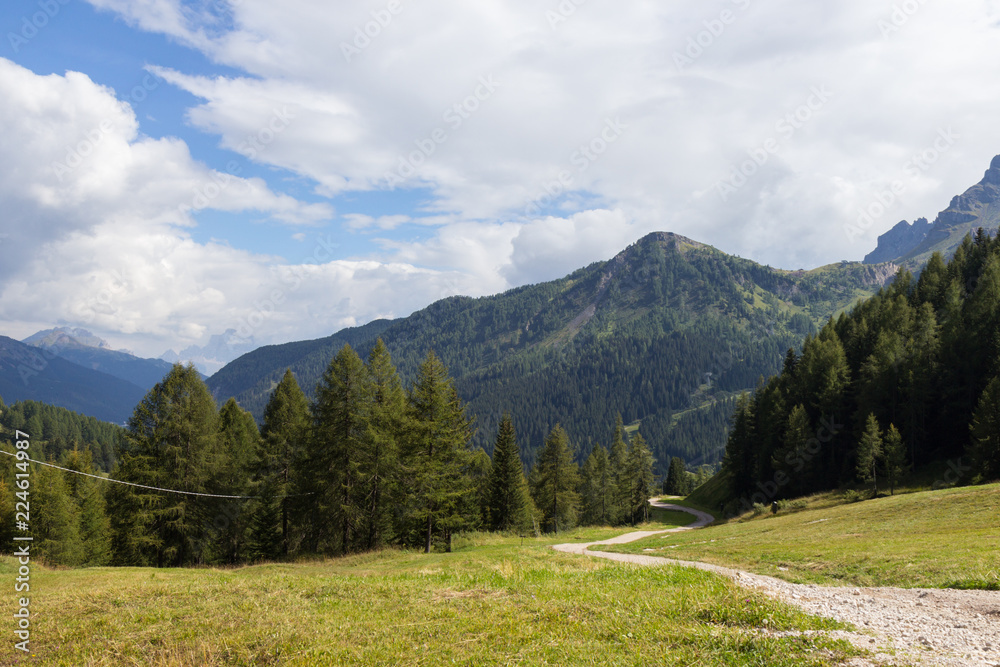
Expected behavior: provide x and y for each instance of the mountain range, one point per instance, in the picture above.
(666, 334)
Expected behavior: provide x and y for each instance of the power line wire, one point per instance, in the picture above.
(151, 488)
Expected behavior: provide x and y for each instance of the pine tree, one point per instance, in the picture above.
(677, 483)
(509, 503)
(894, 455)
(340, 429)
(640, 467)
(171, 442)
(279, 452)
(985, 427)
(557, 480)
(436, 455)
(870, 452)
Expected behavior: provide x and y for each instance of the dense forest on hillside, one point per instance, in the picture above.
(57, 430)
(907, 378)
(367, 463)
(667, 326)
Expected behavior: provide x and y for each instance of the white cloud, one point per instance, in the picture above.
(493, 107)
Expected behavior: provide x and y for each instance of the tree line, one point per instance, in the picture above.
(907, 378)
(368, 463)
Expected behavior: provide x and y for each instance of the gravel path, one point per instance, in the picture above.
(899, 625)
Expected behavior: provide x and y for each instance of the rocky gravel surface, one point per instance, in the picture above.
(898, 626)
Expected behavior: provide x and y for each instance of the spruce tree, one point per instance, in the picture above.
(677, 483)
(869, 453)
(557, 480)
(436, 455)
(279, 452)
(509, 504)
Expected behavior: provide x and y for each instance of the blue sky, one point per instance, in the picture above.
(176, 168)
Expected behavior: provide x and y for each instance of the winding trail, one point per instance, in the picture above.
(898, 625)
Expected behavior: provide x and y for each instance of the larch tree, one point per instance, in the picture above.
(95, 527)
(340, 430)
(640, 468)
(618, 464)
(436, 455)
(869, 452)
(557, 480)
(171, 442)
(985, 428)
(279, 451)
(895, 456)
(379, 462)
(239, 442)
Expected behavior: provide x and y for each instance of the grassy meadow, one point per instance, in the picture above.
(495, 601)
(934, 539)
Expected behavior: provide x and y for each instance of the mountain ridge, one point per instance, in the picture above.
(669, 323)
(912, 245)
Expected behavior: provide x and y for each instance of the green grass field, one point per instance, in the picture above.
(495, 601)
(935, 539)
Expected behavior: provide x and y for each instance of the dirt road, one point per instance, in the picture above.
(899, 625)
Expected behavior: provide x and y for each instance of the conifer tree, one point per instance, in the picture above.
(379, 463)
(894, 454)
(239, 442)
(622, 484)
(509, 502)
(870, 452)
(171, 442)
(557, 480)
(88, 493)
(677, 483)
(279, 452)
(985, 427)
(436, 454)
(340, 428)
(55, 523)
(640, 467)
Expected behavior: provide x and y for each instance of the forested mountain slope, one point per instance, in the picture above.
(665, 333)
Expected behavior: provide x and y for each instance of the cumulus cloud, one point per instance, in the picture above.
(547, 135)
